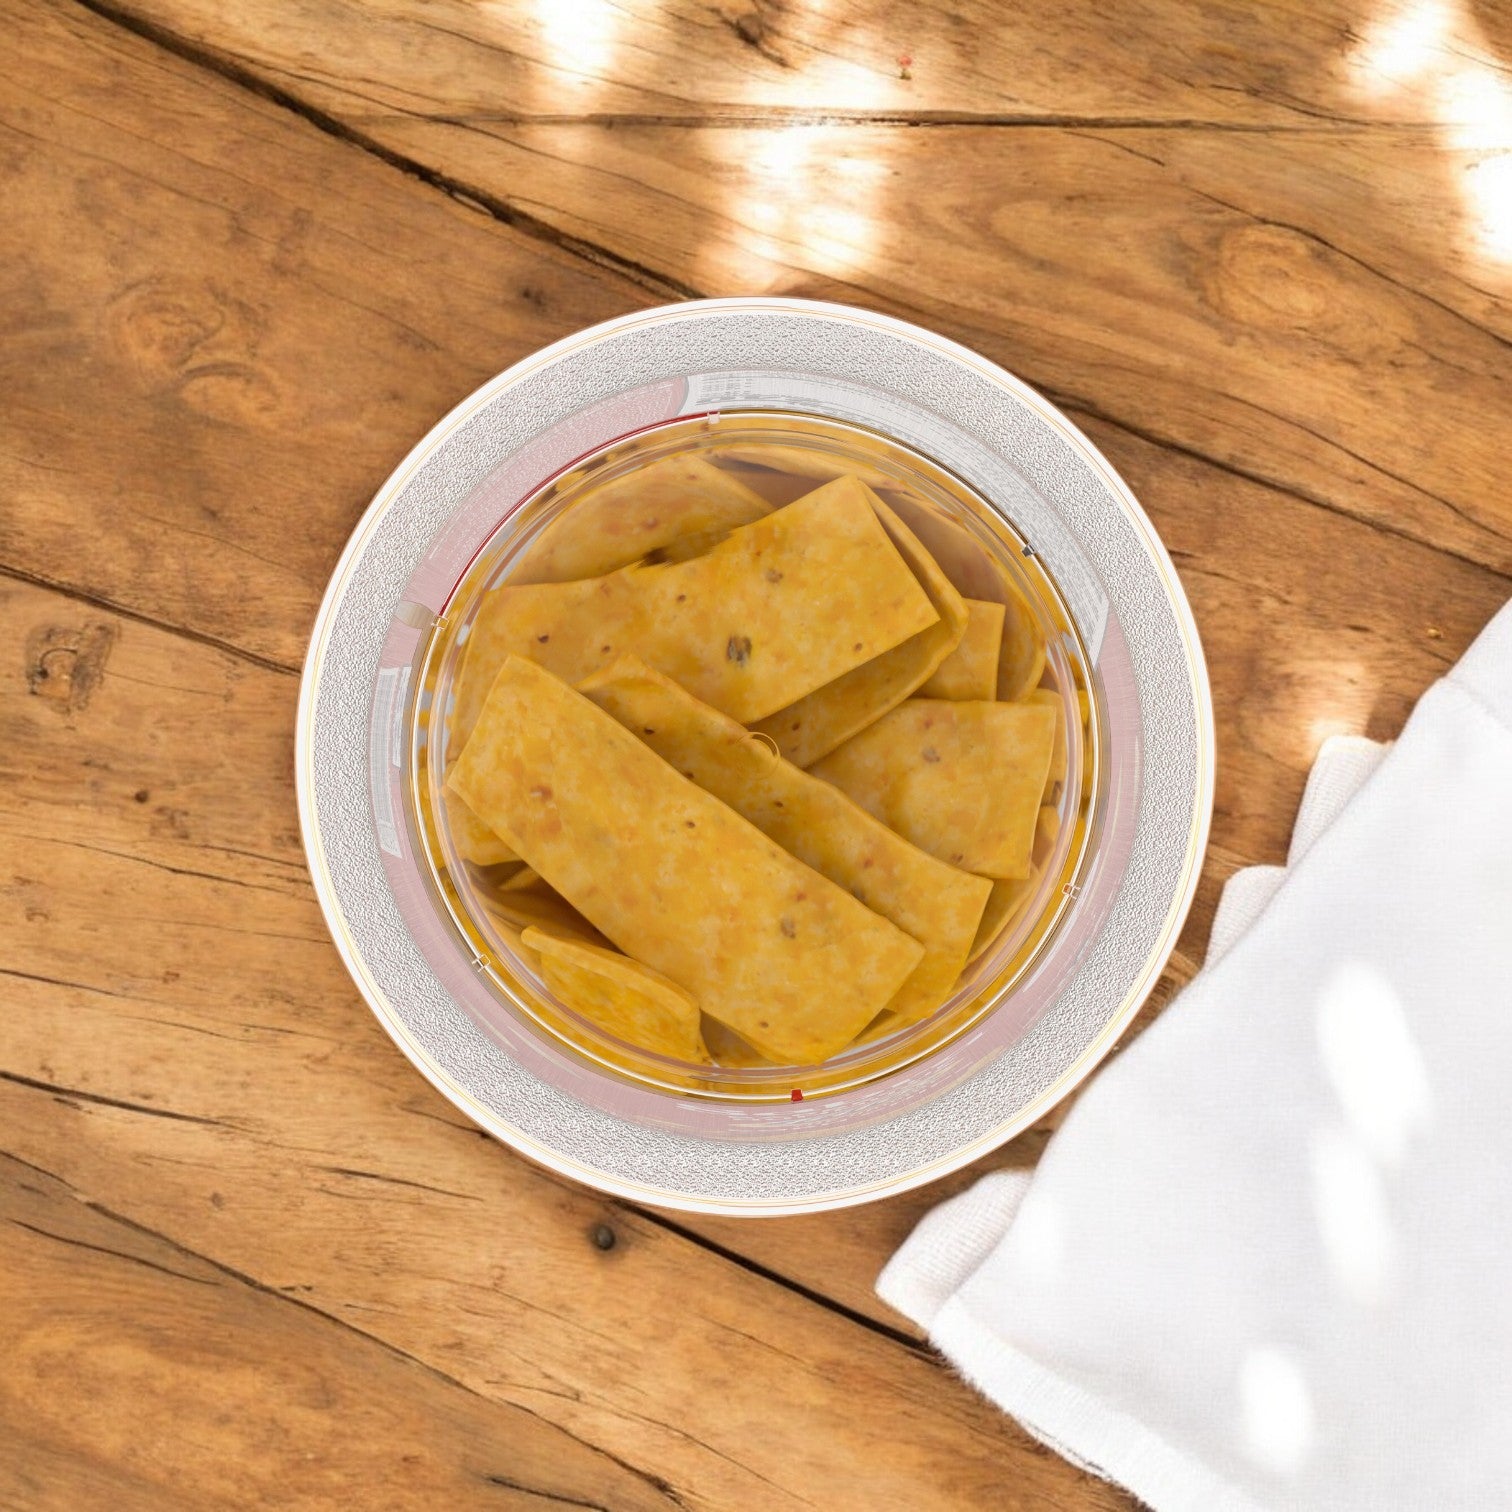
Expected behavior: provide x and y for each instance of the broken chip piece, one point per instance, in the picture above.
(620, 995)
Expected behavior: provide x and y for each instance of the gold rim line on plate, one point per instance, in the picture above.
(486, 1118)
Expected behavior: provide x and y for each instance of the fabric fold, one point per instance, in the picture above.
(1264, 1262)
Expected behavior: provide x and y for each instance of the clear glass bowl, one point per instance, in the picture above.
(977, 549)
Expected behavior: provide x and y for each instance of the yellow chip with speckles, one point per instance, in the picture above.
(778, 608)
(936, 903)
(539, 907)
(1052, 700)
(829, 716)
(1046, 828)
(674, 877)
(1007, 902)
(971, 670)
(474, 840)
(621, 521)
(961, 780)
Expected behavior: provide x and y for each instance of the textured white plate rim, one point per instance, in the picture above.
(489, 1118)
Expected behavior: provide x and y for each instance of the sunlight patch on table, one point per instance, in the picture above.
(1337, 702)
(1402, 46)
(804, 198)
(1433, 54)
(1477, 118)
(579, 37)
(832, 62)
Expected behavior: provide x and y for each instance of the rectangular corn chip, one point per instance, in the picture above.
(727, 1048)
(1007, 902)
(814, 725)
(934, 902)
(675, 878)
(971, 670)
(961, 780)
(1023, 655)
(541, 907)
(474, 840)
(621, 521)
(978, 574)
(1052, 700)
(778, 608)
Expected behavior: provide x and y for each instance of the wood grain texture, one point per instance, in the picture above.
(251, 253)
(1230, 64)
(137, 1371)
(256, 319)
(1318, 307)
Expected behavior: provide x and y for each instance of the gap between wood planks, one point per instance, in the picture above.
(667, 1221)
(478, 199)
(1074, 406)
(123, 611)
(718, 116)
(723, 118)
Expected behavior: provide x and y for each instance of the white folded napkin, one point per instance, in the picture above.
(1267, 1260)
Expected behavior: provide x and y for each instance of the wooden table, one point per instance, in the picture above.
(251, 252)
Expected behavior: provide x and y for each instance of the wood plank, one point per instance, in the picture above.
(1091, 266)
(1244, 88)
(1088, 287)
(1229, 63)
(139, 1375)
(208, 1072)
(242, 327)
(1326, 308)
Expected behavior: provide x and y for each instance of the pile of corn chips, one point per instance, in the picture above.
(752, 782)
